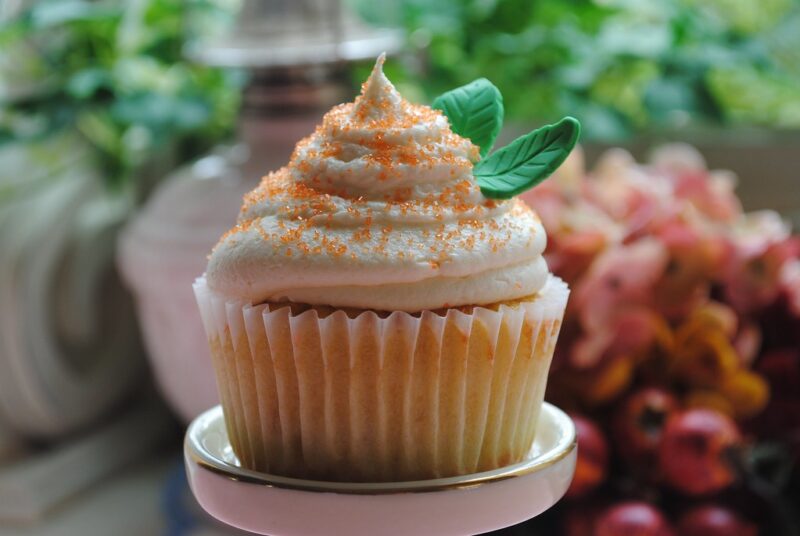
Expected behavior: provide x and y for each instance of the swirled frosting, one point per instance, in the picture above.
(378, 209)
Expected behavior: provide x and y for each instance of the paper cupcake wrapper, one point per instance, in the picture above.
(336, 395)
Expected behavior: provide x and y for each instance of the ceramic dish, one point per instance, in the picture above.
(469, 504)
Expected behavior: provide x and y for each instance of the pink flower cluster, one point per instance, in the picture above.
(644, 245)
(681, 342)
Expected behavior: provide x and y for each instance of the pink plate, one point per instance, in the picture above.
(469, 504)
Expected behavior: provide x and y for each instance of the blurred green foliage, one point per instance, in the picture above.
(620, 66)
(114, 72)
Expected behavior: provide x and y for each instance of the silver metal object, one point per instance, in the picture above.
(272, 34)
(297, 55)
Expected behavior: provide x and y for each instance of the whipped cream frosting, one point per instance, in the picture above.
(378, 209)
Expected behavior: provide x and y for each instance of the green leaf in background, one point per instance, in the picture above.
(528, 160)
(50, 14)
(85, 83)
(749, 96)
(475, 111)
(115, 73)
(592, 58)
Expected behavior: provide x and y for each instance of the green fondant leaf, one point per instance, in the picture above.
(528, 160)
(475, 111)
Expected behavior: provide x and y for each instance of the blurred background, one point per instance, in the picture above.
(129, 131)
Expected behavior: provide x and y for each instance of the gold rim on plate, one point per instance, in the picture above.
(198, 454)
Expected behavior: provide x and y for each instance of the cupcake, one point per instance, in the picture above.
(382, 310)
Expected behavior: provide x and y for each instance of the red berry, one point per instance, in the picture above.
(579, 518)
(694, 455)
(781, 368)
(639, 423)
(713, 520)
(592, 463)
(632, 519)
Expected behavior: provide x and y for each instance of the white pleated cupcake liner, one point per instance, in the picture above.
(332, 394)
